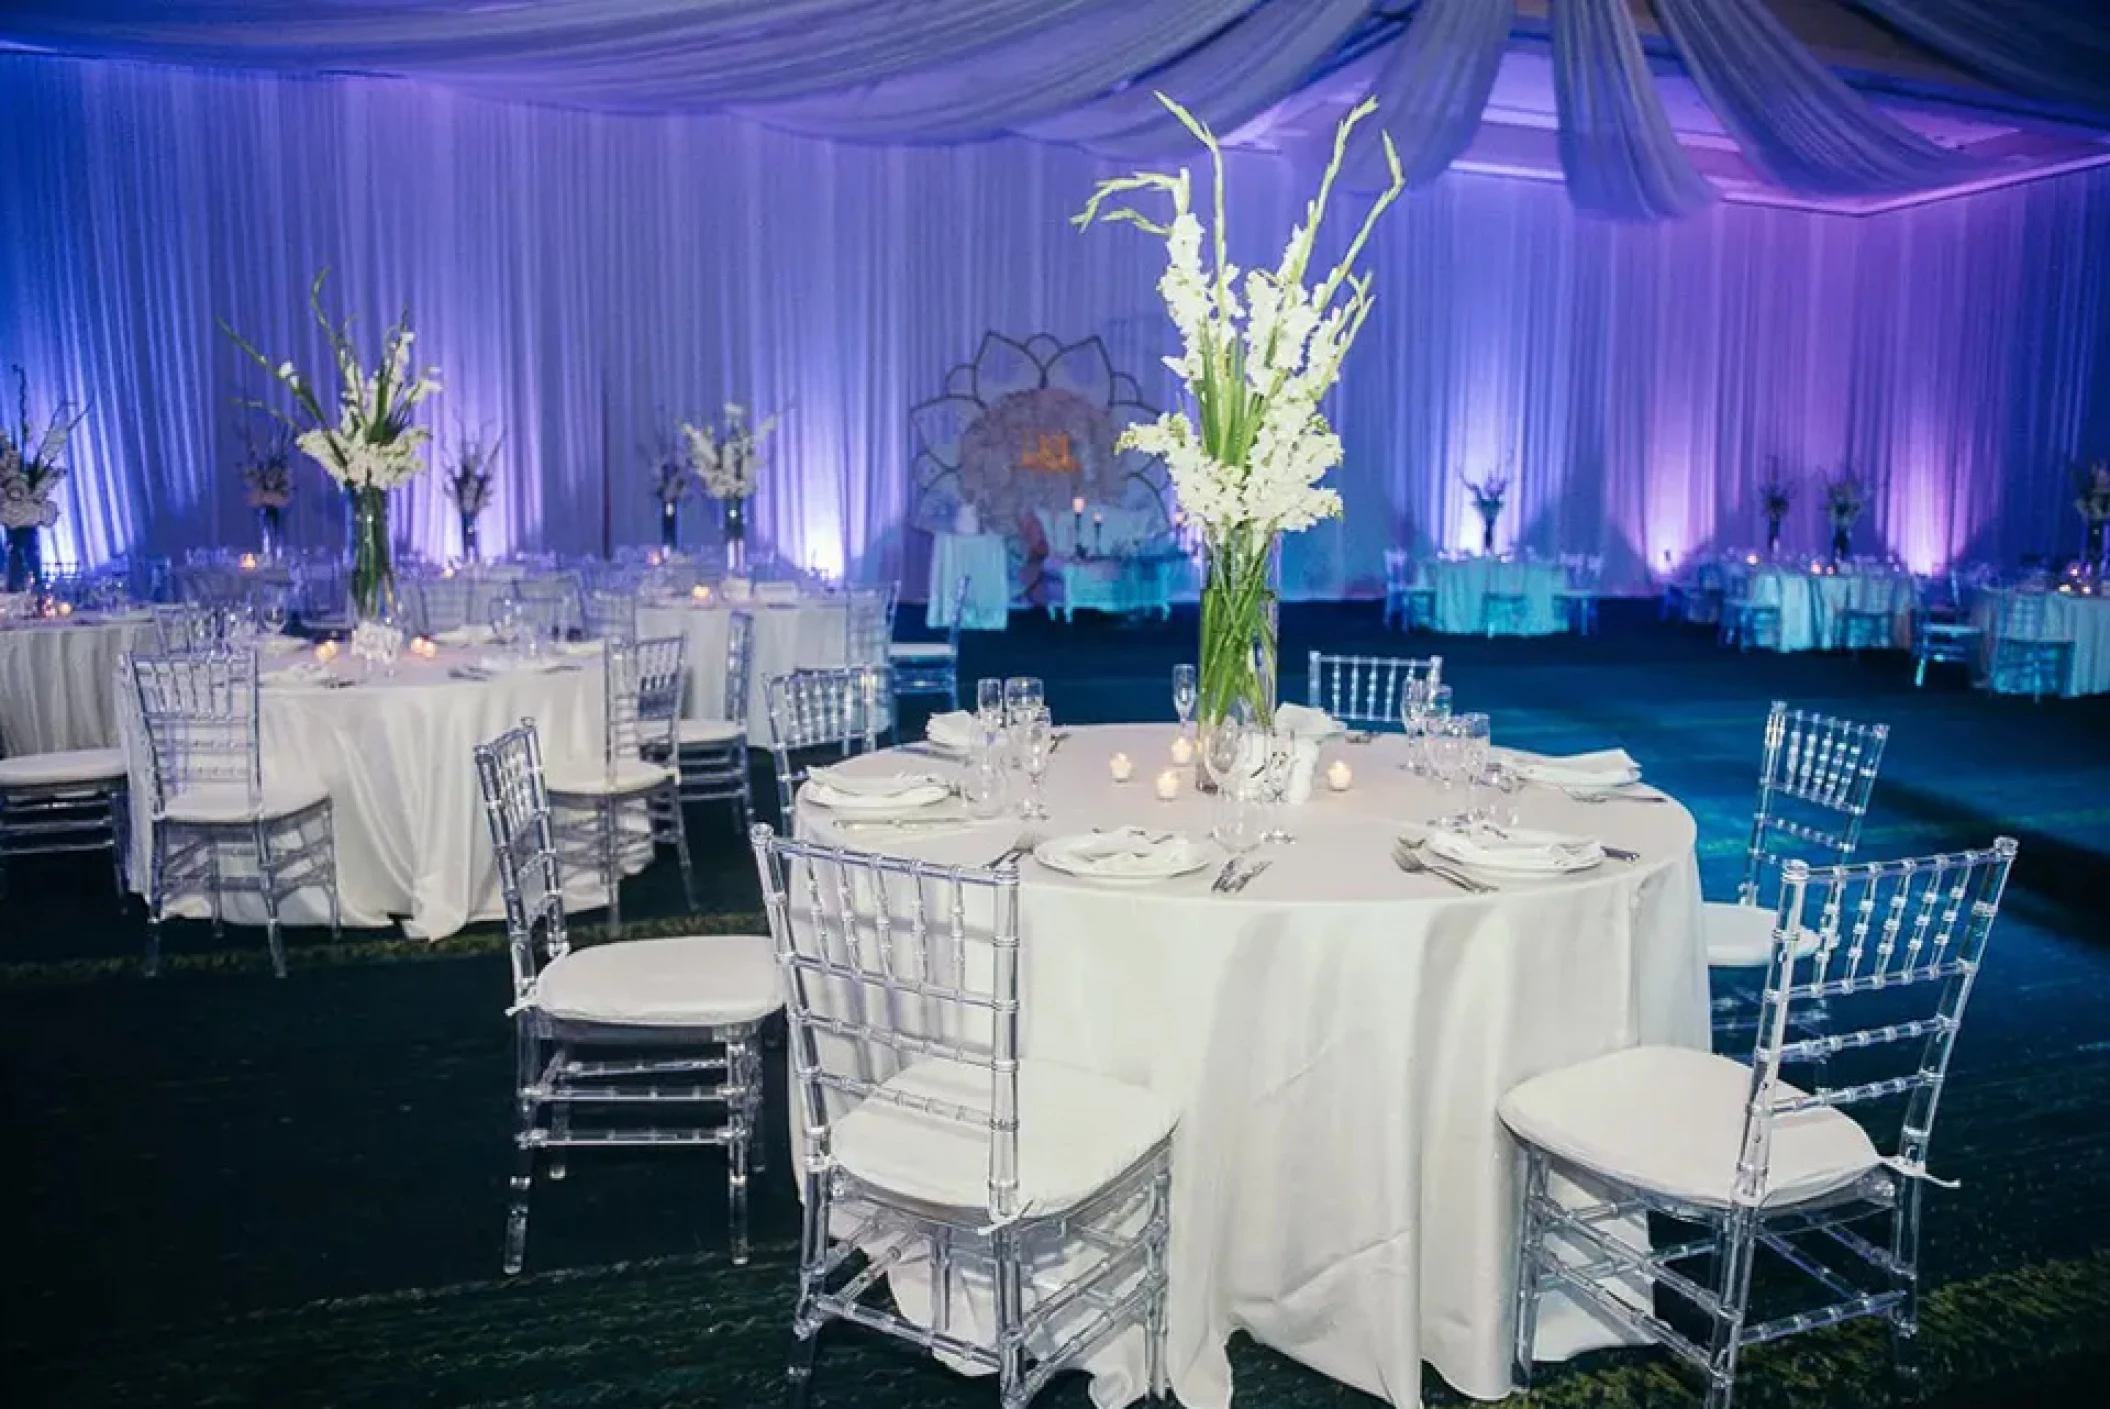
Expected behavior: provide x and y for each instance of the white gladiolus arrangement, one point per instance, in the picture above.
(727, 462)
(370, 441)
(32, 460)
(1256, 365)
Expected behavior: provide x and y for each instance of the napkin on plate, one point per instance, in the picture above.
(464, 636)
(873, 792)
(281, 645)
(1306, 722)
(1124, 851)
(579, 648)
(1606, 768)
(957, 730)
(1512, 849)
(302, 672)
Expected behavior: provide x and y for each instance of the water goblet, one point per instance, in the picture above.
(986, 785)
(989, 701)
(1446, 747)
(1033, 740)
(272, 614)
(1186, 689)
(1277, 764)
(1474, 744)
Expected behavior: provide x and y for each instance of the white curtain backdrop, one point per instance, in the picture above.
(586, 280)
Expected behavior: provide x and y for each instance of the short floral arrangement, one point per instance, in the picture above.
(31, 465)
(1489, 495)
(728, 460)
(470, 476)
(2092, 493)
(267, 474)
(1776, 495)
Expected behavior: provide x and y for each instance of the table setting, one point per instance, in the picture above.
(1437, 917)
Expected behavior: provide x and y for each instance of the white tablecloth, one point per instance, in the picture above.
(1811, 605)
(985, 561)
(55, 690)
(1123, 586)
(2085, 621)
(1336, 1038)
(788, 636)
(397, 755)
(1462, 586)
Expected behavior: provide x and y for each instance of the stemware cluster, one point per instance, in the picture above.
(1014, 732)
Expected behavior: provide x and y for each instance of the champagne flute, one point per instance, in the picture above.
(1474, 743)
(1279, 762)
(989, 701)
(1033, 736)
(1186, 689)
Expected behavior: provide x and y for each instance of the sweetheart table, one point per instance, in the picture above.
(1335, 1036)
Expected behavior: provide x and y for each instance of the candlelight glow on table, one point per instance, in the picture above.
(1121, 766)
(1168, 785)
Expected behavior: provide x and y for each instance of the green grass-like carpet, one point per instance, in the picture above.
(231, 1190)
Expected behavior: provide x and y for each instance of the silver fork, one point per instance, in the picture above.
(1245, 878)
(1023, 843)
(1410, 860)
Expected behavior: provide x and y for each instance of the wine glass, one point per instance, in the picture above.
(505, 624)
(1033, 739)
(1278, 763)
(989, 700)
(987, 782)
(272, 613)
(1474, 745)
(1186, 688)
(1446, 747)
(1023, 695)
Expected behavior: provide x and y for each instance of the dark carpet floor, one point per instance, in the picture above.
(224, 1189)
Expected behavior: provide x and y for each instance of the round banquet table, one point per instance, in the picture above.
(1811, 605)
(1462, 585)
(2085, 621)
(810, 631)
(1336, 1037)
(397, 754)
(55, 690)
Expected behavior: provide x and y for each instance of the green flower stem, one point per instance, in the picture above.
(1238, 647)
(373, 571)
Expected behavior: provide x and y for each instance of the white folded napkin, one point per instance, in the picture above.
(1125, 852)
(1512, 849)
(464, 636)
(1606, 768)
(957, 730)
(1306, 722)
(280, 645)
(736, 589)
(776, 591)
(579, 648)
(889, 793)
(302, 672)
(515, 665)
(842, 780)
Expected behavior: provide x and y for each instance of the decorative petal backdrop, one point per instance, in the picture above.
(588, 279)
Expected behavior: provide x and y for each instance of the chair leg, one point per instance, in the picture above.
(1158, 1374)
(680, 826)
(267, 889)
(805, 1327)
(157, 870)
(1739, 1235)
(1524, 1331)
(739, 1063)
(525, 1077)
(212, 853)
(119, 831)
(1010, 1274)
(329, 874)
(1905, 1257)
(611, 862)
(559, 1116)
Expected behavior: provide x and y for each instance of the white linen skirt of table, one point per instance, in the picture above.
(55, 690)
(1336, 1038)
(398, 756)
(985, 561)
(1812, 603)
(2085, 621)
(788, 636)
(1461, 592)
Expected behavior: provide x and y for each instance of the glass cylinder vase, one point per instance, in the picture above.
(373, 584)
(1842, 543)
(25, 559)
(1487, 531)
(2092, 555)
(669, 525)
(472, 540)
(1240, 630)
(736, 536)
(270, 531)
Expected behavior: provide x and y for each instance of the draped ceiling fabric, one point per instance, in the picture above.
(586, 279)
(1621, 157)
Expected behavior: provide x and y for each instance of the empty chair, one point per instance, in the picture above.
(1868, 620)
(1367, 690)
(844, 711)
(932, 667)
(71, 800)
(1505, 607)
(1749, 609)
(182, 627)
(1942, 628)
(611, 613)
(623, 806)
(928, 1131)
(711, 754)
(1581, 586)
(868, 625)
(1753, 1166)
(2027, 657)
(443, 603)
(681, 1013)
(1815, 777)
(217, 825)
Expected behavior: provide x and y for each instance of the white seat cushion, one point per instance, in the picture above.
(226, 803)
(632, 775)
(1672, 1120)
(922, 652)
(36, 770)
(1741, 936)
(710, 731)
(1076, 1132)
(693, 981)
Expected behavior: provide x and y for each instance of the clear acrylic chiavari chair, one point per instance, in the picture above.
(1505, 607)
(67, 800)
(2028, 657)
(183, 627)
(217, 825)
(1756, 1168)
(623, 806)
(932, 667)
(1868, 620)
(681, 1013)
(1815, 778)
(843, 710)
(868, 626)
(929, 1140)
(711, 754)
(444, 603)
(611, 612)
(1366, 690)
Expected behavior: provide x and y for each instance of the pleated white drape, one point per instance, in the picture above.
(586, 280)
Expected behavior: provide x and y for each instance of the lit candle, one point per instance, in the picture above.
(425, 648)
(1339, 775)
(248, 562)
(1182, 750)
(700, 592)
(65, 609)
(1121, 766)
(326, 652)
(447, 571)
(1077, 505)
(1168, 785)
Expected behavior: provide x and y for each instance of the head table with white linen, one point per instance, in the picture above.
(788, 635)
(397, 753)
(1335, 1037)
(55, 680)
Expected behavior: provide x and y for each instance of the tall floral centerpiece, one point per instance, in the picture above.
(1775, 496)
(671, 483)
(1489, 495)
(2091, 500)
(1256, 358)
(727, 462)
(469, 479)
(1844, 501)
(267, 481)
(370, 446)
(31, 468)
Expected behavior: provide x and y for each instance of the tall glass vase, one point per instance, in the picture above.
(25, 559)
(1842, 543)
(2092, 556)
(1772, 537)
(472, 540)
(373, 568)
(1487, 531)
(669, 525)
(736, 536)
(1239, 655)
(270, 531)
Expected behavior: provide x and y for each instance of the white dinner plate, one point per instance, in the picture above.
(1181, 857)
(1564, 855)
